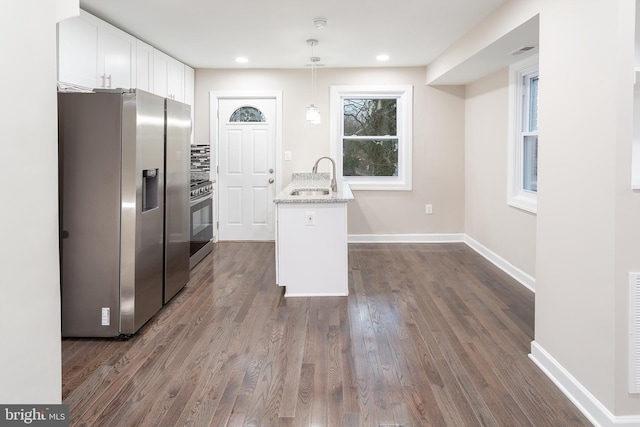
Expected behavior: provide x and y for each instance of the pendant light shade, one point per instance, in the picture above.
(313, 114)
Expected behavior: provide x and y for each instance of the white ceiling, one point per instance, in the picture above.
(273, 33)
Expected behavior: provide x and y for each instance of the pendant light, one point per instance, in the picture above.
(313, 114)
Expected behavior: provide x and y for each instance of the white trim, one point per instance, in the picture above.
(214, 97)
(405, 238)
(587, 403)
(516, 196)
(523, 278)
(404, 94)
(292, 295)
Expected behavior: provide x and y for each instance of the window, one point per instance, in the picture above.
(371, 137)
(523, 139)
(247, 114)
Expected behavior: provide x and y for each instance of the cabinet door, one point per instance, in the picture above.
(144, 66)
(95, 54)
(175, 80)
(78, 52)
(160, 61)
(189, 94)
(189, 85)
(117, 51)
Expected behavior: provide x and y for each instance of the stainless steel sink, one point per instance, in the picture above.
(310, 192)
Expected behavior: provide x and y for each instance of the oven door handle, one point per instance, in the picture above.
(194, 202)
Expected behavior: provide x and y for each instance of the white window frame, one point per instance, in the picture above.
(404, 95)
(519, 75)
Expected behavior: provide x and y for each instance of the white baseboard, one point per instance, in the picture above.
(523, 278)
(405, 238)
(591, 407)
(299, 295)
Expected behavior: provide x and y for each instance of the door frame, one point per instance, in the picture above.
(214, 131)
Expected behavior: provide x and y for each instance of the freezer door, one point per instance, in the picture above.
(142, 230)
(89, 126)
(177, 172)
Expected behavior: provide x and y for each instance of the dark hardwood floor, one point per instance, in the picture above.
(430, 335)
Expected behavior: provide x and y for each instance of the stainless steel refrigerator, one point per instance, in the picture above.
(124, 182)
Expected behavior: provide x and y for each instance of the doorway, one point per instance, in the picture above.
(246, 137)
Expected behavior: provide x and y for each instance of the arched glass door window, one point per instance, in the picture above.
(247, 114)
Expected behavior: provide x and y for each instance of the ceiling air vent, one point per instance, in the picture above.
(521, 50)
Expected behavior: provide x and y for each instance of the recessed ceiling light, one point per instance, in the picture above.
(382, 57)
(241, 60)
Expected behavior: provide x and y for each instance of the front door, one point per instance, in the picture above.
(246, 150)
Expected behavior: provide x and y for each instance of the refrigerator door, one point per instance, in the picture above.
(142, 209)
(89, 131)
(177, 169)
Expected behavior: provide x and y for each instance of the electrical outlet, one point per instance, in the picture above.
(310, 218)
(428, 209)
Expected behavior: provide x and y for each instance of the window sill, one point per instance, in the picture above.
(524, 202)
(379, 184)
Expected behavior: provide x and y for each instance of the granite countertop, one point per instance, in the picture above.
(313, 181)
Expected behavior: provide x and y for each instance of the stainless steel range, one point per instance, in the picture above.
(201, 208)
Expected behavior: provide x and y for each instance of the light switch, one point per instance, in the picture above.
(287, 155)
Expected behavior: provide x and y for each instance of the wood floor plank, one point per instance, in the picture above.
(430, 335)
(293, 352)
(305, 396)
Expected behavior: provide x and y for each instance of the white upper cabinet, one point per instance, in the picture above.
(144, 66)
(118, 51)
(189, 93)
(175, 80)
(168, 76)
(95, 54)
(78, 52)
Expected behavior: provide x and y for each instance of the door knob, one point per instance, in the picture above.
(270, 180)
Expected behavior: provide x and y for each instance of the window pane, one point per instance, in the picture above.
(370, 157)
(533, 104)
(247, 114)
(530, 163)
(370, 117)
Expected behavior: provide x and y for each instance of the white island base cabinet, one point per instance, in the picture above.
(311, 249)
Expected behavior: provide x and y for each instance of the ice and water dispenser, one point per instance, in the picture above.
(149, 189)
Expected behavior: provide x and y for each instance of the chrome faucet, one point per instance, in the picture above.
(334, 184)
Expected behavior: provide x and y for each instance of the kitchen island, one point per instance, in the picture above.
(311, 237)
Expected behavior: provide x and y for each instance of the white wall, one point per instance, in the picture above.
(30, 361)
(587, 213)
(504, 230)
(438, 150)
